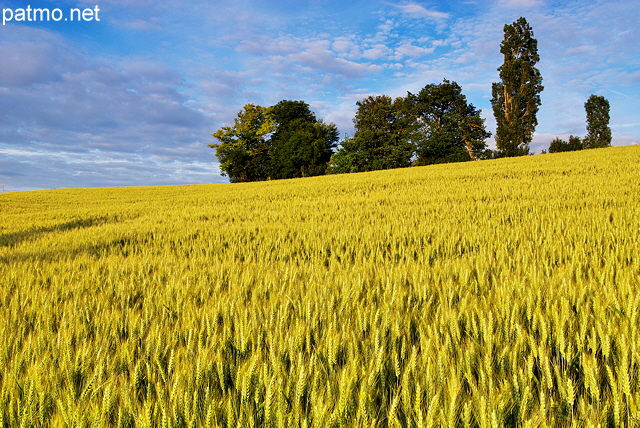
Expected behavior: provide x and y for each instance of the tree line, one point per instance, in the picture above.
(436, 125)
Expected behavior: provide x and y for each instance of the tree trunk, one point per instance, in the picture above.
(470, 149)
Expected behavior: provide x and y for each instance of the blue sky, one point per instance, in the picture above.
(132, 99)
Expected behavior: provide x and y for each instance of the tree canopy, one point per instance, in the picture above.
(435, 125)
(301, 145)
(559, 145)
(244, 148)
(516, 98)
(282, 141)
(382, 139)
(598, 131)
(450, 129)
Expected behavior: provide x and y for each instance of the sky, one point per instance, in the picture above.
(131, 95)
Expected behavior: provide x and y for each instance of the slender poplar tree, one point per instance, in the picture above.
(516, 98)
(598, 131)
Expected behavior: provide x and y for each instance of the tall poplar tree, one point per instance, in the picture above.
(598, 131)
(516, 98)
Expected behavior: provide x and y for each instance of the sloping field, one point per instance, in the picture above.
(493, 293)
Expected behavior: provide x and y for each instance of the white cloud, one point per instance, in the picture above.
(520, 3)
(418, 11)
(83, 114)
(343, 45)
(320, 59)
(408, 49)
(32, 57)
(340, 57)
(377, 52)
(144, 24)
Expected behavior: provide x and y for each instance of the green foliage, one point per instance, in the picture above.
(559, 145)
(598, 130)
(282, 141)
(490, 154)
(516, 98)
(243, 151)
(301, 145)
(436, 125)
(451, 130)
(305, 151)
(382, 139)
(344, 160)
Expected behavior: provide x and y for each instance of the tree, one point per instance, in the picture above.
(451, 130)
(282, 141)
(559, 145)
(382, 139)
(344, 160)
(244, 149)
(598, 131)
(516, 98)
(301, 144)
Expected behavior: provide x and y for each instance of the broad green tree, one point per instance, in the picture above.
(282, 141)
(344, 160)
(598, 131)
(450, 128)
(244, 149)
(516, 98)
(301, 145)
(382, 139)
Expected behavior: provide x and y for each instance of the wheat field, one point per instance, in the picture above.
(498, 293)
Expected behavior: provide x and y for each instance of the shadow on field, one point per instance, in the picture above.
(13, 239)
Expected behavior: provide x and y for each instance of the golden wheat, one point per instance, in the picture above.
(493, 293)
